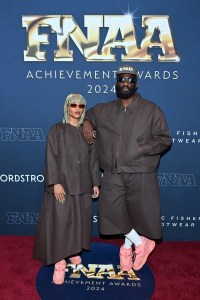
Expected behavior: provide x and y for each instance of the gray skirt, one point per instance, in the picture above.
(64, 229)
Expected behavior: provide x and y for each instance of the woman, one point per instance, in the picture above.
(71, 169)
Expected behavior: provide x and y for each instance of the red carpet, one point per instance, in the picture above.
(176, 267)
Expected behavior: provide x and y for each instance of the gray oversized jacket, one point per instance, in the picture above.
(70, 161)
(131, 139)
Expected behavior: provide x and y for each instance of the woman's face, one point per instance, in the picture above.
(75, 110)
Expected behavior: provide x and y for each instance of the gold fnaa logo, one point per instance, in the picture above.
(100, 271)
(65, 27)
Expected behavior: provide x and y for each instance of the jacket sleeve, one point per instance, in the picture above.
(94, 165)
(51, 161)
(90, 116)
(160, 137)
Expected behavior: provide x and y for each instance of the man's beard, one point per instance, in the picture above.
(125, 94)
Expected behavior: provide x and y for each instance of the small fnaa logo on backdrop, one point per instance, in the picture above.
(11, 134)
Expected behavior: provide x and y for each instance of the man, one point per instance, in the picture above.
(131, 133)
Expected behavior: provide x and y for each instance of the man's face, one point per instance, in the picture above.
(125, 86)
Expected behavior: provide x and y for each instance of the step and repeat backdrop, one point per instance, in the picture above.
(52, 48)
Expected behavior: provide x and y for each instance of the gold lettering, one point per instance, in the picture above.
(65, 27)
(166, 44)
(90, 273)
(34, 39)
(87, 46)
(87, 272)
(105, 270)
(131, 274)
(124, 25)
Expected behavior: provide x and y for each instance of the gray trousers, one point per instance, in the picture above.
(130, 201)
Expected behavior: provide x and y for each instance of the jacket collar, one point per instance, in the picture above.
(131, 107)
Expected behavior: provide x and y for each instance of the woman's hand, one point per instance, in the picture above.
(95, 192)
(59, 193)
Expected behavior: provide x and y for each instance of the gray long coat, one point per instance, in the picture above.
(65, 229)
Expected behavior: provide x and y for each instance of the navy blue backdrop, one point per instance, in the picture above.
(52, 48)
